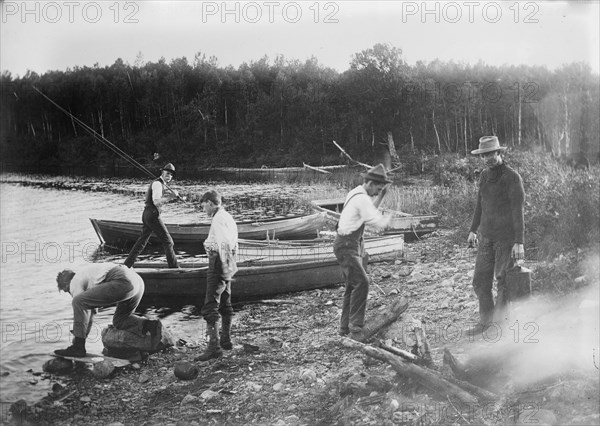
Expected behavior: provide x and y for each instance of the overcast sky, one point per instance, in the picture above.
(42, 36)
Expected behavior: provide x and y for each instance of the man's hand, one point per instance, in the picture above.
(518, 253)
(472, 239)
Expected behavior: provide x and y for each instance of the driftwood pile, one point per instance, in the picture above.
(418, 365)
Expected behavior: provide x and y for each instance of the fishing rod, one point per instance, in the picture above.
(108, 143)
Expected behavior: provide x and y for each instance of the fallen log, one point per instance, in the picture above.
(458, 370)
(400, 352)
(373, 326)
(425, 377)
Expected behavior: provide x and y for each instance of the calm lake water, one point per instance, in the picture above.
(44, 231)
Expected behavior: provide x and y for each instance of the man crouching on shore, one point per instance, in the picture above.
(99, 285)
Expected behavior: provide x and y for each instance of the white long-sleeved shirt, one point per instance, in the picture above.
(223, 239)
(223, 233)
(359, 209)
(89, 276)
(157, 192)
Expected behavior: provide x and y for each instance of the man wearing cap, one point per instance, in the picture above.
(221, 247)
(155, 198)
(359, 209)
(499, 220)
(99, 285)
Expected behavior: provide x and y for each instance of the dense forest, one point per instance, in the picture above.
(202, 115)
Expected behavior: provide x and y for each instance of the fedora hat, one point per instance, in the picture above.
(488, 144)
(376, 174)
(169, 167)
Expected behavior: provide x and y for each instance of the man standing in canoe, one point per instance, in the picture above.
(359, 209)
(152, 223)
(221, 245)
(99, 285)
(499, 219)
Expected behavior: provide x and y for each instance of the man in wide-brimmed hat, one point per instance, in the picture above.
(359, 209)
(152, 223)
(499, 220)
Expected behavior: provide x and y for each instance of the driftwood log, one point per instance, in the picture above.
(428, 378)
(373, 326)
(400, 352)
(458, 370)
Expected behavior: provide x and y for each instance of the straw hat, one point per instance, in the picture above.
(488, 144)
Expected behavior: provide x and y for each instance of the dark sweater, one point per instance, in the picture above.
(499, 211)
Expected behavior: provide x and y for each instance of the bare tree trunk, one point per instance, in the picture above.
(465, 135)
(123, 133)
(372, 135)
(437, 135)
(101, 122)
(281, 117)
(226, 124)
(519, 114)
(566, 126)
(392, 147)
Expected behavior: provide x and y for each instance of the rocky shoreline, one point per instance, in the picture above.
(289, 368)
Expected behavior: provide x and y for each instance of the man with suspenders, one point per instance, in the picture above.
(359, 209)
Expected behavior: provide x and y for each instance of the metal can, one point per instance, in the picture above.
(518, 282)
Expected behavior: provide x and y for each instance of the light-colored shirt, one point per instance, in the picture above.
(223, 239)
(157, 192)
(89, 276)
(359, 209)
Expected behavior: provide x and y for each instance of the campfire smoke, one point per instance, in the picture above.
(541, 340)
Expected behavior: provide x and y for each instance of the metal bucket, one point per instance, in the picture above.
(518, 282)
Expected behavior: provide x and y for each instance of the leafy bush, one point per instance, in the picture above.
(450, 169)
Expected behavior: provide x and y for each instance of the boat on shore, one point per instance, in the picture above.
(299, 266)
(251, 251)
(123, 234)
(410, 226)
(187, 286)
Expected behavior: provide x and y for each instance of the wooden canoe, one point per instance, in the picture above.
(119, 234)
(401, 223)
(187, 286)
(295, 251)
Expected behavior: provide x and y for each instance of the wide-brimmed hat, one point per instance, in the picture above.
(169, 167)
(488, 144)
(376, 174)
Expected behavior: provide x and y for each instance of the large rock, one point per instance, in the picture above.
(114, 339)
(58, 365)
(185, 371)
(103, 369)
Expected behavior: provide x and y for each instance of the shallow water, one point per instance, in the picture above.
(44, 231)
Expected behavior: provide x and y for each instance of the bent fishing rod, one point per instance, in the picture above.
(108, 143)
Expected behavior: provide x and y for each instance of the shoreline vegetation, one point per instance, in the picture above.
(289, 368)
(197, 114)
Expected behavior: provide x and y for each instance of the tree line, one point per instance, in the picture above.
(287, 112)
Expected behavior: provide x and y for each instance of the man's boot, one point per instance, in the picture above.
(77, 349)
(212, 350)
(226, 333)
